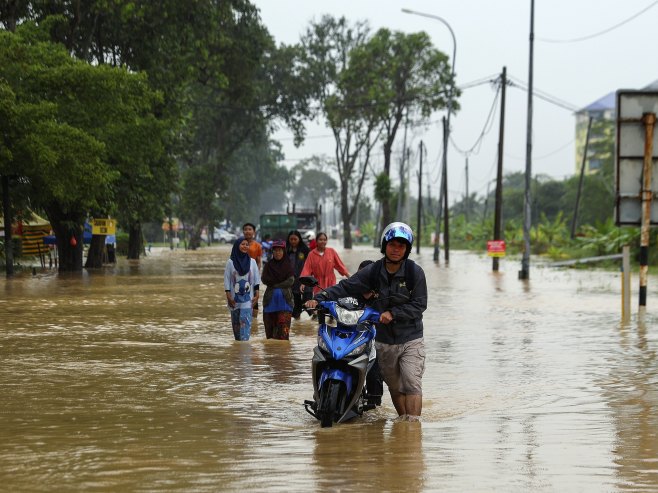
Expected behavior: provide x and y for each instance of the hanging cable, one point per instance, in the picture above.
(600, 33)
(488, 124)
(514, 82)
(544, 156)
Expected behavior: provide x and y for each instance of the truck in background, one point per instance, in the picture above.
(278, 225)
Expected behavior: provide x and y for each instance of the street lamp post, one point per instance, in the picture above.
(524, 273)
(446, 133)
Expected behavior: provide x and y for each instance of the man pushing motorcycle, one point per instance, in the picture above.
(401, 298)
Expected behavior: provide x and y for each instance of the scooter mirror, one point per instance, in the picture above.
(309, 281)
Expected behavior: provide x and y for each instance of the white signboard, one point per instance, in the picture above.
(631, 106)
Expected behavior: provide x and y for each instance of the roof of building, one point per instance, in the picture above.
(609, 101)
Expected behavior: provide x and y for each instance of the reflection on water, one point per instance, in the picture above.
(129, 379)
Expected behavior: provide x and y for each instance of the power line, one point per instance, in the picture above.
(544, 156)
(514, 82)
(488, 124)
(600, 33)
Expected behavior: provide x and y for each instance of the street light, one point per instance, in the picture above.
(446, 134)
(524, 273)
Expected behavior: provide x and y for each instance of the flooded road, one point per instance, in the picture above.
(129, 379)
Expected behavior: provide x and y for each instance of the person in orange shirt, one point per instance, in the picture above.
(321, 262)
(255, 252)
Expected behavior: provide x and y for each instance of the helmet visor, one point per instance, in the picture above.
(399, 232)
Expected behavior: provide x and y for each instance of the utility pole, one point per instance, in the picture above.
(574, 222)
(446, 216)
(420, 198)
(524, 273)
(498, 218)
(467, 197)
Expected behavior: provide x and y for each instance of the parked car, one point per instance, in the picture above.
(223, 236)
(220, 235)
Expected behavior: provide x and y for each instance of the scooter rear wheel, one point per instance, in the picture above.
(329, 404)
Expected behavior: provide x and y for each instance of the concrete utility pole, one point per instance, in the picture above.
(466, 197)
(420, 199)
(524, 273)
(446, 212)
(498, 216)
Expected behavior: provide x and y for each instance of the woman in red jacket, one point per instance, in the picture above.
(321, 262)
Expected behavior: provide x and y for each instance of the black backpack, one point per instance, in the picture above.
(409, 273)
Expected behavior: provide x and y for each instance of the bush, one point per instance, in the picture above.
(122, 243)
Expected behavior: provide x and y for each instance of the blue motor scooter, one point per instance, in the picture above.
(341, 360)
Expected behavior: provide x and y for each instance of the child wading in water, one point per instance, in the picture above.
(241, 283)
(278, 302)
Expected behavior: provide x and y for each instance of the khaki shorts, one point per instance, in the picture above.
(402, 365)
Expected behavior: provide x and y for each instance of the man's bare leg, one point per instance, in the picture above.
(413, 404)
(399, 402)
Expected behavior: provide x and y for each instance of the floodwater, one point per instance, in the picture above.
(128, 379)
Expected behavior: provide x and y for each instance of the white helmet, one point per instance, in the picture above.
(309, 236)
(398, 231)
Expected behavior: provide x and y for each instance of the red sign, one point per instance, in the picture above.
(496, 248)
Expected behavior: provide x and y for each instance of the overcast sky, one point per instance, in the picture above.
(490, 35)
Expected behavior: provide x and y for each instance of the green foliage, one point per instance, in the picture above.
(606, 238)
(310, 181)
(122, 243)
(398, 76)
(383, 188)
(78, 153)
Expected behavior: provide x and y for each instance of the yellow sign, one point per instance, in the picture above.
(104, 226)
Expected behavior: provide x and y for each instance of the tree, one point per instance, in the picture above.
(311, 184)
(344, 102)
(70, 139)
(223, 82)
(405, 77)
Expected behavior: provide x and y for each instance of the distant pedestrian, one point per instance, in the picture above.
(241, 285)
(321, 263)
(266, 244)
(279, 277)
(297, 252)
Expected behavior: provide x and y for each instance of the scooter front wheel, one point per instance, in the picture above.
(329, 403)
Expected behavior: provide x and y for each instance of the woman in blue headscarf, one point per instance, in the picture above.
(241, 284)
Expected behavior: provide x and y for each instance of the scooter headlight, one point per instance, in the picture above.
(348, 317)
(358, 350)
(322, 344)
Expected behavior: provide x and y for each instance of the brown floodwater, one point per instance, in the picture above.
(128, 379)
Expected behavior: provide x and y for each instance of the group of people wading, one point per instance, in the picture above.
(395, 286)
(284, 295)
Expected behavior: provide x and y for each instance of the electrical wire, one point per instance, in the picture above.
(488, 125)
(544, 156)
(514, 82)
(600, 33)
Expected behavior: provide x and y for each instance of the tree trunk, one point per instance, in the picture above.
(386, 200)
(345, 216)
(135, 243)
(96, 252)
(195, 239)
(69, 245)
